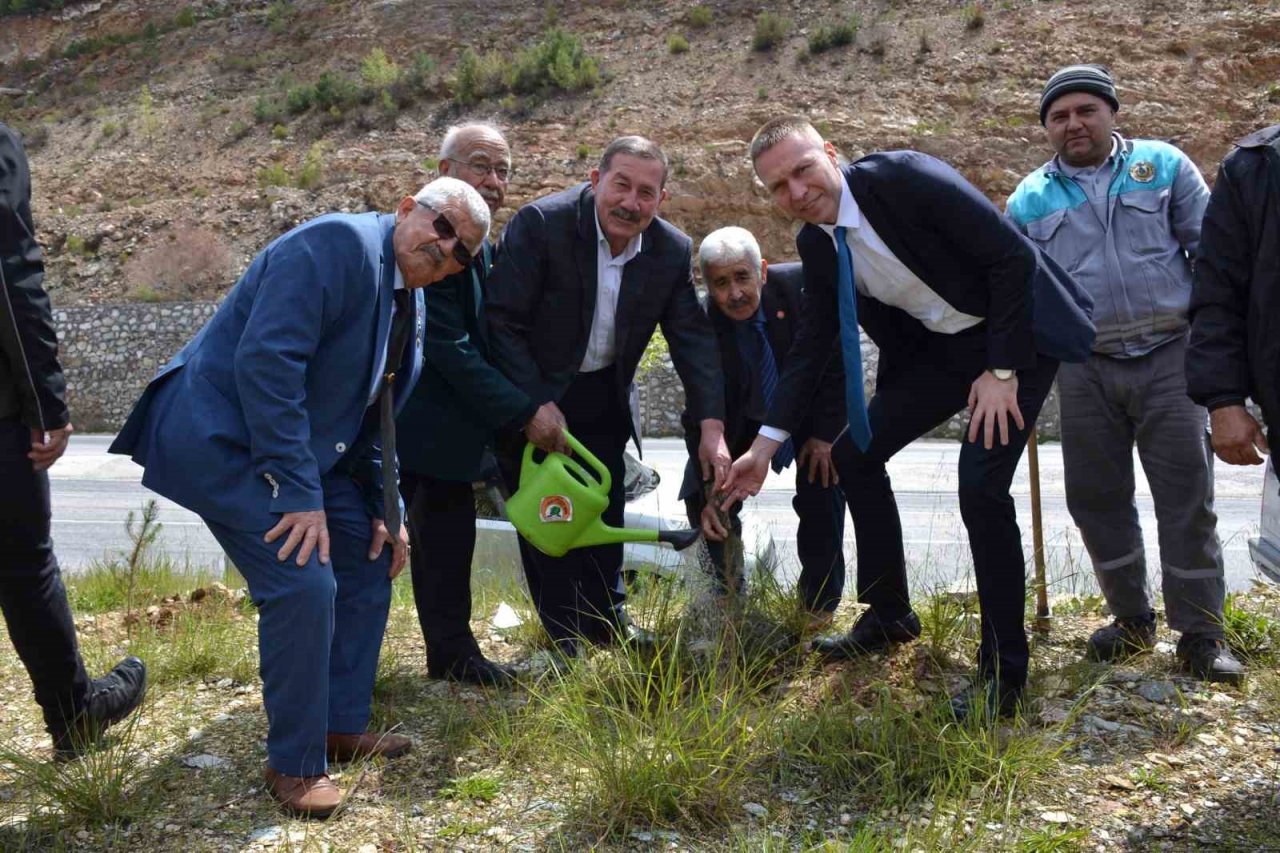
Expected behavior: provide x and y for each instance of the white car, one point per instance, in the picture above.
(1265, 549)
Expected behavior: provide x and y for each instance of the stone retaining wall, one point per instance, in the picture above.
(662, 400)
(110, 352)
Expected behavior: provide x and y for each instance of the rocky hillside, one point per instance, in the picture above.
(170, 142)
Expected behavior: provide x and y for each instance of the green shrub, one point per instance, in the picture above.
(185, 18)
(298, 99)
(771, 29)
(311, 173)
(825, 38)
(557, 62)
(110, 129)
(466, 77)
(699, 17)
(422, 71)
(279, 131)
(377, 72)
(677, 43)
(76, 245)
(275, 175)
(974, 16)
(268, 110)
(584, 151)
(334, 90)
(279, 14)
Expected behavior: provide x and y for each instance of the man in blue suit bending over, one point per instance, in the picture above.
(966, 312)
(276, 425)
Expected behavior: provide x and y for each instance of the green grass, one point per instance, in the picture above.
(1254, 636)
(829, 36)
(699, 17)
(677, 43)
(771, 29)
(481, 788)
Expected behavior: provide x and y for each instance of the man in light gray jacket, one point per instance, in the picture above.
(1123, 216)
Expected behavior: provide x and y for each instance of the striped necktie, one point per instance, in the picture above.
(767, 368)
(851, 345)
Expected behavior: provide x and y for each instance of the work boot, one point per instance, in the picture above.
(1122, 638)
(304, 796)
(1209, 658)
(111, 698)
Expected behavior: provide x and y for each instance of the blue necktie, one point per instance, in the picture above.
(767, 368)
(851, 345)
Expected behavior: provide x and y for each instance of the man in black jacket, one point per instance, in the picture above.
(755, 322)
(1234, 351)
(581, 280)
(966, 312)
(447, 423)
(34, 428)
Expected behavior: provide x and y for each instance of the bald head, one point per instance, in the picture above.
(477, 153)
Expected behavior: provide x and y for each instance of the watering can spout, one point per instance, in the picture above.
(560, 503)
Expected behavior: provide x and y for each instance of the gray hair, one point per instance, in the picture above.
(634, 146)
(449, 145)
(445, 191)
(777, 129)
(728, 245)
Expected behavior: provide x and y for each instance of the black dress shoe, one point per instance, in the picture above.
(986, 699)
(111, 698)
(473, 669)
(867, 636)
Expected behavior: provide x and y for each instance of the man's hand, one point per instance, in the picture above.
(546, 428)
(713, 453)
(48, 447)
(746, 476)
(309, 529)
(1237, 436)
(399, 546)
(991, 402)
(711, 526)
(818, 454)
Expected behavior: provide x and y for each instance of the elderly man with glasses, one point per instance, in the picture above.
(276, 425)
(448, 423)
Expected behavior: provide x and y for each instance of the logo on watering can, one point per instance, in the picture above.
(555, 508)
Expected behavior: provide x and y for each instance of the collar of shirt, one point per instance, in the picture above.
(632, 249)
(848, 216)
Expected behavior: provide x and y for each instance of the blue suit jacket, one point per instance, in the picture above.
(272, 393)
(959, 244)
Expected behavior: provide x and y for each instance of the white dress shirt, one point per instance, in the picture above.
(382, 357)
(602, 342)
(879, 274)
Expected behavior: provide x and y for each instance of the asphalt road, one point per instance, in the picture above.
(94, 492)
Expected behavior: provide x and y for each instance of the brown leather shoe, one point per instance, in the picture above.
(366, 745)
(305, 796)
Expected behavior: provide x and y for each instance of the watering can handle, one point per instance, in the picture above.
(528, 466)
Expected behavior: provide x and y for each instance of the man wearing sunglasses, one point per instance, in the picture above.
(449, 420)
(582, 279)
(276, 425)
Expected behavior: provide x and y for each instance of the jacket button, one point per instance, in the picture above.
(341, 447)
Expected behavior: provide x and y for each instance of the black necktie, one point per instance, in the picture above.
(401, 326)
(760, 352)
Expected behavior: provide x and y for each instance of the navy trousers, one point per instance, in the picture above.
(320, 629)
(31, 592)
(819, 541)
(918, 388)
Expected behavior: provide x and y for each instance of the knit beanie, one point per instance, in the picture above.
(1094, 79)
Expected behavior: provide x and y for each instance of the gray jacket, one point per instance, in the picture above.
(1136, 265)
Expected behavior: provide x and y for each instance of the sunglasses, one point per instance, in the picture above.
(445, 231)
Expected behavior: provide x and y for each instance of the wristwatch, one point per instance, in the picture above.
(1004, 374)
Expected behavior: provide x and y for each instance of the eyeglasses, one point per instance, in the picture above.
(445, 231)
(480, 171)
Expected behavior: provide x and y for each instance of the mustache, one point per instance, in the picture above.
(625, 215)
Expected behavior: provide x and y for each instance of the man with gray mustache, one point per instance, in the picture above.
(582, 279)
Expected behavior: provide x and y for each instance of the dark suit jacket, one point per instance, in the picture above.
(31, 383)
(461, 398)
(959, 244)
(272, 394)
(782, 299)
(542, 298)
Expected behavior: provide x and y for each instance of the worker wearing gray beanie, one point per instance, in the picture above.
(1094, 79)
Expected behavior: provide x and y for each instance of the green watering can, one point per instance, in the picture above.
(559, 502)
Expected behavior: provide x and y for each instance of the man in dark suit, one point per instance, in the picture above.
(581, 280)
(755, 311)
(34, 428)
(965, 311)
(447, 424)
(276, 425)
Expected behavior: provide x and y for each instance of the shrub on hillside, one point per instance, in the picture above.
(837, 35)
(189, 263)
(677, 43)
(699, 17)
(771, 29)
(557, 62)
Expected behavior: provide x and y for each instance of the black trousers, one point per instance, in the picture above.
(581, 595)
(32, 596)
(819, 541)
(918, 388)
(441, 517)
